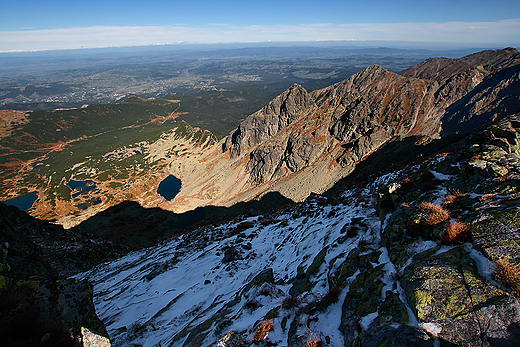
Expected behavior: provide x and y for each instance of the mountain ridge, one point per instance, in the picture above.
(362, 113)
(299, 143)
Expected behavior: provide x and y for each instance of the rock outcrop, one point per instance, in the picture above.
(270, 120)
(40, 304)
(371, 108)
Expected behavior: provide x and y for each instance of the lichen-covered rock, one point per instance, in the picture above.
(446, 289)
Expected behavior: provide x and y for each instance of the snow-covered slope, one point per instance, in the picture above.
(230, 276)
(415, 257)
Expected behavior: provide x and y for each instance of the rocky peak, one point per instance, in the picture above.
(441, 69)
(360, 81)
(268, 121)
(362, 113)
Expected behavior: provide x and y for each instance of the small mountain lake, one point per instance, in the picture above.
(169, 187)
(80, 187)
(23, 202)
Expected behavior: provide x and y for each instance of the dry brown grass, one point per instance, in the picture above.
(457, 193)
(313, 341)
(435, 213)
(487, 196)
(448, 199)
(455, 233)
(444, 155)
(262, 330)
(508, 274)
(502, 179)
(515, 196)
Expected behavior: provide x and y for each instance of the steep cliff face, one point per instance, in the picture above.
(346, 122)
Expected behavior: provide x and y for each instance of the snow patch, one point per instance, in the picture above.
(422, 246)
(185, 282)
(484, 265)
(432, 330)
(441, 176)
(367, 320)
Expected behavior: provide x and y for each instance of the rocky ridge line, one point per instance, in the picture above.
(371, 108)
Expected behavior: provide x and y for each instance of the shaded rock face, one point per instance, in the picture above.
(373, 107)
(270, 120)
(39, 304)
(475, 89)
(495, 97)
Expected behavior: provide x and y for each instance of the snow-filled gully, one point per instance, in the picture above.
(150, 296)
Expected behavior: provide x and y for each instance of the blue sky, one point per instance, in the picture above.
(55, 24)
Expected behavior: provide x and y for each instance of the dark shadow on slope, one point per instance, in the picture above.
(461, 117)
(135, 226)
(393, 156)
(39, 304)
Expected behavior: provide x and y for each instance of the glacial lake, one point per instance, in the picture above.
(23, 202)
(80, 187)
(169, 187)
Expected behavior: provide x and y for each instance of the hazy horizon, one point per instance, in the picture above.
(30, 25)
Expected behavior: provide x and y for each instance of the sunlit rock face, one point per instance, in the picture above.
(346, 122)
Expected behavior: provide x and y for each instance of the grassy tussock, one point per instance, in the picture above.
(457, 193)
(313, 341)
(448, 199)
(262, 330)
(508, 274)
(455, 233)
(435, 214)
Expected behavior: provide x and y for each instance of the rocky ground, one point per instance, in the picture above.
(426, 254)
(39, 304)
